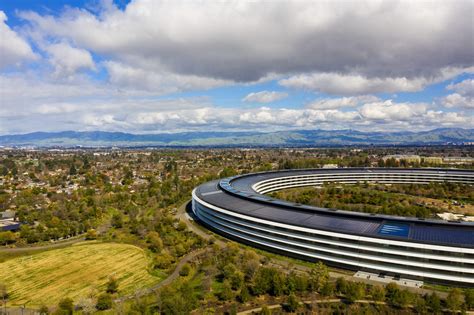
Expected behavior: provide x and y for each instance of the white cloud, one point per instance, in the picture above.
(334, 103)
(464, 96)
(67, 60)
(265, 97)
(246, 40)
(465, 87)
(350, 84)
(458, 100)
(390, 111)
(155, 80)
(13, 48)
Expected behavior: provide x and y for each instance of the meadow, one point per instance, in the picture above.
(76, 271)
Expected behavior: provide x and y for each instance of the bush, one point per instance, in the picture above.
(185, 270)
(454, 300)
(112, 285)
(66, 306)
(291, 304)
(104, 302)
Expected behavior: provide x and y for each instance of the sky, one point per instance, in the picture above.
(153, 66)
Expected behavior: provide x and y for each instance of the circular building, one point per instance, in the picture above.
(419, 249)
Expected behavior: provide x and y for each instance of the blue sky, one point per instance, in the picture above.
(168, 66)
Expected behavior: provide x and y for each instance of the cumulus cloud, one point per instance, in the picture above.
(245, 41)
(159, 82)
(350, 84)
(458, 100)
(150, 48)
(13, 48)
(265, 97)
(463, 96)
(465, 87)
(67, 60)
(388, 110)
(333, 103)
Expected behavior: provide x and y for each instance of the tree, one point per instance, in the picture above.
(7, 237)
(378, 293)
(454, 300)
(433, 302)
(185, 270)
(112, 285)
(72, 170)
(104, 302)
(469, 298)
(341, 285)
(226, 293)
(155, 244)
(355, 291)
(244, 295)
(291, 304)
(319, 275)
(420, 305)
(66, 306)
(43, 310)
(91, 234)
(117, 220)
(328, 289)
(265, 311)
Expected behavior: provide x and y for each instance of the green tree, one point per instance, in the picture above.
(104, 302)
(454, 300)
(433, 302)
(226, 293)
(112, 285)
(469, 298)
(355, 291)
(328, 289)
(91, 234)
(43, 310)
(244, 295)
(378, 293)
(291, 304)
(185, 270)
(66, 306)
(341, 285)
(420, 305)
(265, 311)
(72, 170)
(117, 220)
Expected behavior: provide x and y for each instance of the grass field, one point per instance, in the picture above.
(75, 272)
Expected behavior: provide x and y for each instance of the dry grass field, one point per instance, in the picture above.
(75, 272)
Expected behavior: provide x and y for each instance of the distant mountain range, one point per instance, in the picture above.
(294, 138)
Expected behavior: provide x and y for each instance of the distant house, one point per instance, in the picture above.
(9, 214)
(9, 225)
(8, 222)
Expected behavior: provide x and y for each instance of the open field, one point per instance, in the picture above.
(75, 272)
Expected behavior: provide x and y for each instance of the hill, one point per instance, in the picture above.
(294, 138)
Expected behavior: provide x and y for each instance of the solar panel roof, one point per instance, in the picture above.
(238, 196)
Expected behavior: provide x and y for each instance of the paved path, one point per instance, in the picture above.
(173, 276)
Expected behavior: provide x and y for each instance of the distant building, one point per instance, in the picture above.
(458, 160)
(9, 225)
(8, 222)
(433, 159)
(406, 157)
(9, 214)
